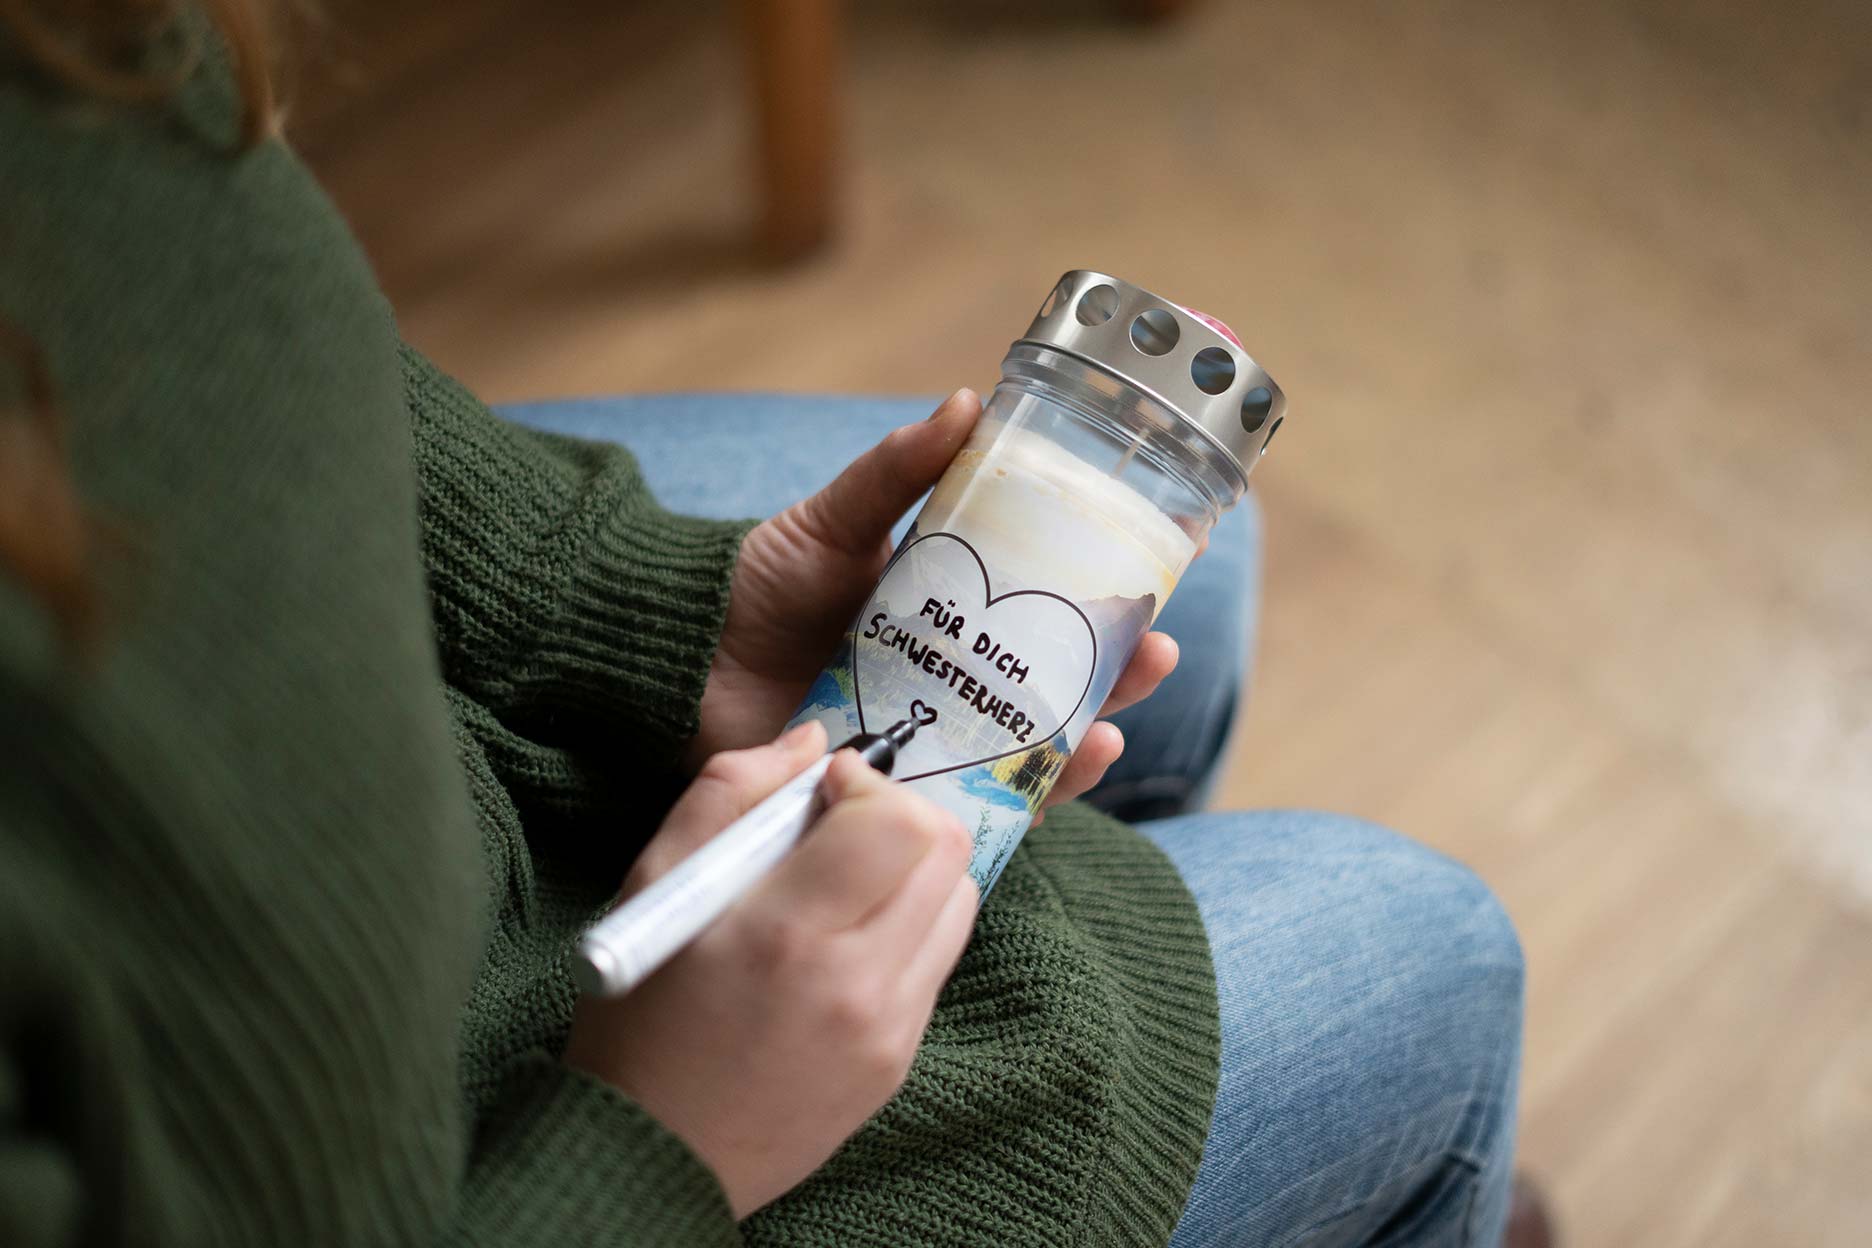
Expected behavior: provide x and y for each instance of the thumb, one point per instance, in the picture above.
(855, 513)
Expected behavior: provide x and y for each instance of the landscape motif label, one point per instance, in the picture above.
(1009, 669)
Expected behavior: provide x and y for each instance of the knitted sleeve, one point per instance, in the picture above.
(567, 601)
(566, 1159)
(85, 1156)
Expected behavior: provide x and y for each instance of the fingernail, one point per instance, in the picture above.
(796, 735)
(946, 403)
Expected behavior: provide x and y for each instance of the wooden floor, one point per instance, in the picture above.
(1570, 533)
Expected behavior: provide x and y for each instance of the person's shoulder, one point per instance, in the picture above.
(47, 695)
(198, 302)
(30, 646)
(161, 195)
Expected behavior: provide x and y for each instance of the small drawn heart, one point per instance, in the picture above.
(1004, 673)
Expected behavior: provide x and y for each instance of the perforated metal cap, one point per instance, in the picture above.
(1187, 361)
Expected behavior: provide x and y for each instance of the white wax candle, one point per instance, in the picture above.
(1045, 519)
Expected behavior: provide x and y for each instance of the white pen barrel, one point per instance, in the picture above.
(623, 948)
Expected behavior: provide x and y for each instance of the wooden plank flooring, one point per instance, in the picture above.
(1570, 562)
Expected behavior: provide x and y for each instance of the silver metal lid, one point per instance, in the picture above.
(1174, 355)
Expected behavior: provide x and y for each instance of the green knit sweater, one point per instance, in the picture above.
(392, 692)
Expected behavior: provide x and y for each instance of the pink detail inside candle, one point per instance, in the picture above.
(1216, 325)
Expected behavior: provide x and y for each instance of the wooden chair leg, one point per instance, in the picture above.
(795, 49)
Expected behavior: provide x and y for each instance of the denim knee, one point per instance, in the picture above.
(1478, 933)
(1370, 990)
(1360, 862)
(1437, 1043)
(1448, 969)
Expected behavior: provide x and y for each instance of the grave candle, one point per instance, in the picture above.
(1123, 426)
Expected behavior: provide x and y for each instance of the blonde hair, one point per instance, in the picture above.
(47, 542)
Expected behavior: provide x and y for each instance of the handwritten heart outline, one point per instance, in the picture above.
(989, 600)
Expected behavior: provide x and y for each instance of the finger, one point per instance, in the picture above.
(901, 922)
(857, 510)
(729, 785)
(859, 852)
(948, 936)
(850, 777)
(1101, 747)
(1155, 658)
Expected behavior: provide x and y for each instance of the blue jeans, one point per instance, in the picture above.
(1370, 988)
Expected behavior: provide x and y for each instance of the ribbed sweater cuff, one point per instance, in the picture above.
(564, 595)
(1154, 956)
(566, 1160)
(640, 617)
(1064, 1089)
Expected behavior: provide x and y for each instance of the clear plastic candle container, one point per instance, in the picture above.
(1123, 426)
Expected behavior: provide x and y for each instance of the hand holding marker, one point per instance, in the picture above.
(622, 949)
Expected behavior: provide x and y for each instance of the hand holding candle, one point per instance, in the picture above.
(803, 574)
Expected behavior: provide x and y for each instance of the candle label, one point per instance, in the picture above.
(1014, 675)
